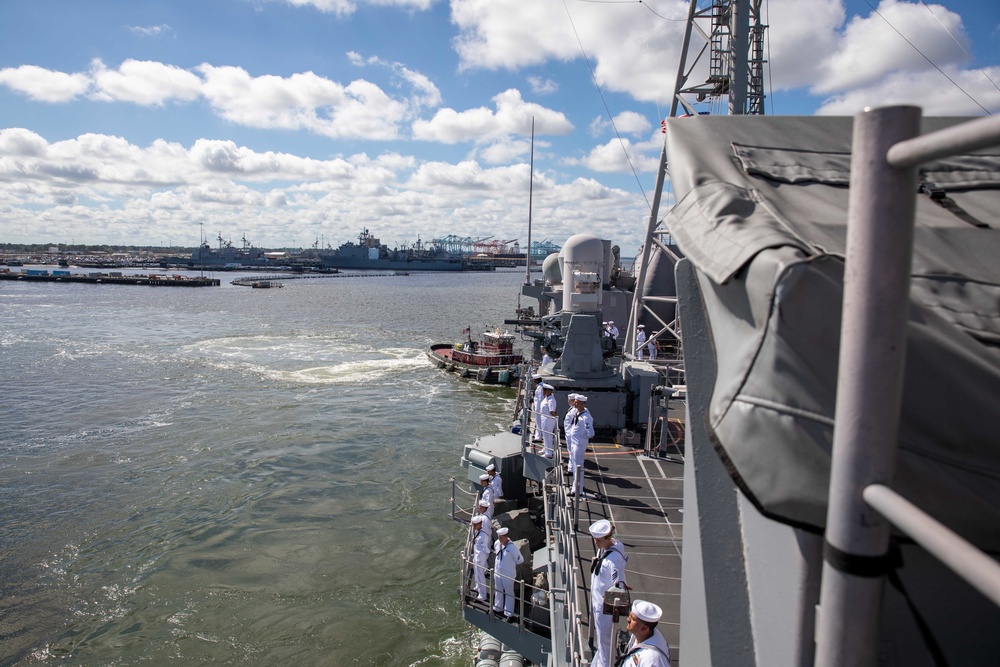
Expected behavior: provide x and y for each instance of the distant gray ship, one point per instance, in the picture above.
(370, 253)
(226, 256)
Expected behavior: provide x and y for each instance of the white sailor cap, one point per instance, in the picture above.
(581, 398)
(642, 326)
(483, 477)
(646, 611)
(490, 468)
(536, 376)
(571, 397)
(611, 321)
(600, 528)
(479, 518)
(503, 531)
(548, 386)
(484, 503)
(604, 323)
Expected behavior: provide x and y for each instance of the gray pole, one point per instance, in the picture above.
(739, 61)
(661, 175)
(869, 386)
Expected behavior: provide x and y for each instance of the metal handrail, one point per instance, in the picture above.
(885, 152)
(963, 558)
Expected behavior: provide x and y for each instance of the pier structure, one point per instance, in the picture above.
(113, 278)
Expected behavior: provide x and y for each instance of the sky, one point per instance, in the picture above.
(294, 123)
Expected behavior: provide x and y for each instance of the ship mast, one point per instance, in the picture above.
(735, 41)
(531, 185)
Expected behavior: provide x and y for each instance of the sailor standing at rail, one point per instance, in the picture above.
(487, 494)
(579, 425)
(504, 573)
(548, 418)
(646, 647)
(536, 434)
(640, 341)
(480, 555)
(614, 329)
(496, 482)
(487, 511)
(567, 420)
(606, 571)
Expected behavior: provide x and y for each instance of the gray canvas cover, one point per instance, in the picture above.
(761, 213)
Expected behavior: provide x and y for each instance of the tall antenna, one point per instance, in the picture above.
(734, 36)
(531, 187)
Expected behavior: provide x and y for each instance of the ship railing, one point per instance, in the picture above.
(456, 507)
(562, 518)
(526, 595)
(883, 181)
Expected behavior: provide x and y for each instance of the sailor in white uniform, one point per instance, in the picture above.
(547, 419)
(546, 358)
(487, 511)
(607, 570)
(536, 433)
(480, 555)
(646, 647)
(496, 482)
(640, 341)
(579, 426)
(504, 573)
(487, 494)
(614, 329)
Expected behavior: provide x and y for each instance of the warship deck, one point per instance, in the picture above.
(643, 497)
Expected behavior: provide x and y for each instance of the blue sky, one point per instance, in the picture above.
(292, 121)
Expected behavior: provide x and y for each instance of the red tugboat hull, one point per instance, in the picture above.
(491, 361)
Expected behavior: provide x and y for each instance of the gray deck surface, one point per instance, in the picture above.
(643, 498)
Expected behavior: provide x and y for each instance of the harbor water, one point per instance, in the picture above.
(237, 476)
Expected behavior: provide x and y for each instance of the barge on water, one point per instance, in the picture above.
(113, 278)
(491, 360)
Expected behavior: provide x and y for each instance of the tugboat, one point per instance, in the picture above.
(491, 360)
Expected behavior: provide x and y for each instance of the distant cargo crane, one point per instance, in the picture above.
(459, 245)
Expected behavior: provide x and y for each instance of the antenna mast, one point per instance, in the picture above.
(735, 41)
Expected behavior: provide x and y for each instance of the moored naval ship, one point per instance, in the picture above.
(836, 280)
(226, 256)
(369, 253)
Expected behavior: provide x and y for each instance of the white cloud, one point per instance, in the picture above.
(43, 84)
(149, 31)
(630, 122)
(302, 101)
(619, 156)
(929, 89)
(874, 46)
(143, 82)
(541, 86)
(345, 7)
(513, 116)
(626, 48)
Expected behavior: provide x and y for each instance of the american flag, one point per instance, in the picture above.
(466, 330)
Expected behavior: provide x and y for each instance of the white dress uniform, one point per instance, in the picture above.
(496, 483)
(480, 557)
(640, 343)
(608, 569)
(579, 427)
(504, 573)
(490, 498)
(547, 423)
(654, 652)
(614, 331)
(535, 406)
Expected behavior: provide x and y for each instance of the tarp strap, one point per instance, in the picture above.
(858, 566)
(888, 564)
(940, 197)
